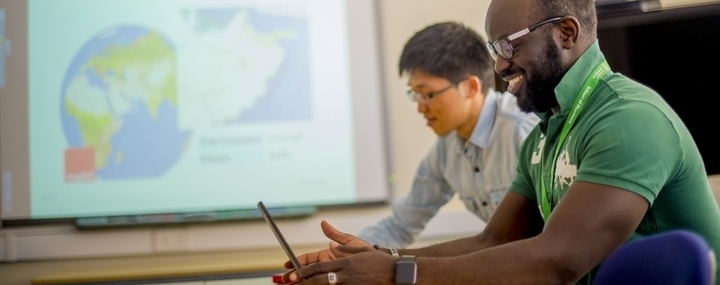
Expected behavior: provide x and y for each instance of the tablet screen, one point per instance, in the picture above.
(278, 235)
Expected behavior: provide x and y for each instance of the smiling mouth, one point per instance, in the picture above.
(514, 83)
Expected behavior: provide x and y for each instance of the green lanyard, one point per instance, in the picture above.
(585, 92)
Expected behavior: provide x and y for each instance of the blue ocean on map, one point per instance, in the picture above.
(144, 145)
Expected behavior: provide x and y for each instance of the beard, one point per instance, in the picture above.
(540, 90)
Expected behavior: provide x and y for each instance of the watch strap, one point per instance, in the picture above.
(393, 251)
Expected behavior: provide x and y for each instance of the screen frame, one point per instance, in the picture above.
(369, 130)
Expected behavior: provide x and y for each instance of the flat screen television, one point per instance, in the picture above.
(138, 112)
(675, 52)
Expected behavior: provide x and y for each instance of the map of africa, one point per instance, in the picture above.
(119, 102)
(132, 98)
(241, 65)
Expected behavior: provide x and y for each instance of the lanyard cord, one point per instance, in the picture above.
(588, 87)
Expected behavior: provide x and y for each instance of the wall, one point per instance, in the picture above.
(63, 248)
(411, 138)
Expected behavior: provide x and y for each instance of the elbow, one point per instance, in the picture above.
(566, 276)
(565, 270)
(484, 240)
(555, 275)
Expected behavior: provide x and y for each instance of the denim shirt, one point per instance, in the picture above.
(480, 170)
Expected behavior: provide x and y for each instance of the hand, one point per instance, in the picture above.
(338, 238)
(363, 265)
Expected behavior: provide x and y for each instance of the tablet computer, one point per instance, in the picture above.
(278, 235)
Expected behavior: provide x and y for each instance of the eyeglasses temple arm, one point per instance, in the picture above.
(543, 23)
(518, 34)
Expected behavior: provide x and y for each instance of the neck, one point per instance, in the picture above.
(466, 129)
(555, 109)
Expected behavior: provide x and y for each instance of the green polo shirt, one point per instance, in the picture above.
(626, 137)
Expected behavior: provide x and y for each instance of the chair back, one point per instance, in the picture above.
(677, 257)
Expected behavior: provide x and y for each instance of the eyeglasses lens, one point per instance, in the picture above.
(504, 49)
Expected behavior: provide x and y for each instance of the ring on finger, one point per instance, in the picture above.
(332, 278)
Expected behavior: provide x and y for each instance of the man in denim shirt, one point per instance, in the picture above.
(451, 78)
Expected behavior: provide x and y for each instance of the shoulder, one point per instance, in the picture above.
(630, 92)
(506, 104)
(444, 146)
(507, 108)
(630, 100)
(509, 116)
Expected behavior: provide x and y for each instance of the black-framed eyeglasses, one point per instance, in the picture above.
(425, 98)
(504, 48)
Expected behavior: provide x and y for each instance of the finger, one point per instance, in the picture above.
(286, 277)
(326, 255)
(315, 269)
(345, 250)
(333, 234)
(309, 258)
(331, 253)
(321, 279)
(289, 265)
(313, 257)
(338, 253)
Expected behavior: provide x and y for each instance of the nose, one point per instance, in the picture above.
(501, 64)
(422, 107)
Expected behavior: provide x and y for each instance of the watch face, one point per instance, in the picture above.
(405, 271)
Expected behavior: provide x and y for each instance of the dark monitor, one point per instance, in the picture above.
(675, 52)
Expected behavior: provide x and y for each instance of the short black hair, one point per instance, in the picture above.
(583, 10)
(449, 50)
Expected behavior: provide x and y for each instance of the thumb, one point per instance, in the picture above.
(334, 234)
(345, 250)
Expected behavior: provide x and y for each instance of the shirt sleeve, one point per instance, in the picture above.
(633, 148)
(411, 213)
(523, 184)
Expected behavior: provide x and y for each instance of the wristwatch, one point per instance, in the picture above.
(406, 270)
(392, 250)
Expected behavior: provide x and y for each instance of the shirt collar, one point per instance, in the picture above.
(569, 86)
(481, 133)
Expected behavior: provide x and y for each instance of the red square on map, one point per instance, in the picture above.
(79, 164)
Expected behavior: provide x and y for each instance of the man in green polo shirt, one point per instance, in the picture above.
(609, 162)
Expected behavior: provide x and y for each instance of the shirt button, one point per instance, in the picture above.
(484, 203)
(476, 169)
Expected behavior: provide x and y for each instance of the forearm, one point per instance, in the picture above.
(578, 235)
(522, 262)
(409, 215)
(525, 223)
(452, 248)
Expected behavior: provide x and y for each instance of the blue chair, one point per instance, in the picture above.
(677, 257)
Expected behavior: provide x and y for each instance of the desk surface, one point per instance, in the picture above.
(244, 281)
(243, 267)
(239, 267)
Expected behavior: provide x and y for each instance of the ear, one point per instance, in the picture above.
(569, 31)
(474, 85)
